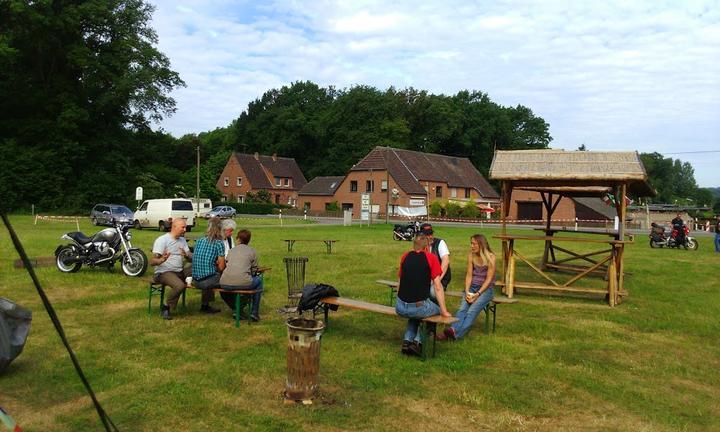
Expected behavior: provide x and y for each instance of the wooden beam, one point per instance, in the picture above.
(537, 270)
(581, 275)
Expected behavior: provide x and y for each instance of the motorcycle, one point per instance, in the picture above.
(658, 238)
(104, 248)
(406, 232)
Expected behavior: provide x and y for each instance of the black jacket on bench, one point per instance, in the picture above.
(313, 293)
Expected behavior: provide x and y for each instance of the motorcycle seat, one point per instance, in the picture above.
(79, 237)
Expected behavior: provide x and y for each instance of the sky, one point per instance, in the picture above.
(612, 75)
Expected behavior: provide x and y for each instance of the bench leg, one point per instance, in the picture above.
(425, 329)
(237, 310)
(494, 312)
(183, 299)
(150, 294)
(486, 329)
(162, 297)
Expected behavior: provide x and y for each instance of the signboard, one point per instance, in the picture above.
(365, 207)
(417, 202)
(138, 193)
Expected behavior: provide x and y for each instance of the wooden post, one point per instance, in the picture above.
(504, 212)
(510, 276)
(612, 278)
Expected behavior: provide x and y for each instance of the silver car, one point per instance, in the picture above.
(109, 214)
(221, 212)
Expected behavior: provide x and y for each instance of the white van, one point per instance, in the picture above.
(204, 207)
(160, 213)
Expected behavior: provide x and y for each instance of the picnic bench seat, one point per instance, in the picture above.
(328, 243)
(242, 298)
(427, 325)
(491, 307)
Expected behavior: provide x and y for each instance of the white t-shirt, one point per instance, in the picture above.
(443, 249)
(173, 245)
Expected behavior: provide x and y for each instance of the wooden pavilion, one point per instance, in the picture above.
(556, 174)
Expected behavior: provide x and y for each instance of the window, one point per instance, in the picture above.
(226, 182)
(239, 181)
(453, 193)
(306, 206)
(369, 185)
(278, 182)
(287, 182)
(144, 206)
(241, 199)
(224, 198)
(182, 206)
(467, 192)
(383, 185)
(438, 191)
(353, 186)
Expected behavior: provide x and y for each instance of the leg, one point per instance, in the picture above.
(176, 282)
(462, 327)
(257, 285)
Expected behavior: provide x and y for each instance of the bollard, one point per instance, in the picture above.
(303, 359)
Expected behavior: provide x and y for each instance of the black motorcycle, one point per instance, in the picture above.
(406, 232)
(102, 249)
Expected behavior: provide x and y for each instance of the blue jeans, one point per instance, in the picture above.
(467, 313)
(717, 242)
(415, 313)
(256, 285)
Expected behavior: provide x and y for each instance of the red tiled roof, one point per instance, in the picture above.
(410, 168)
(280, 167)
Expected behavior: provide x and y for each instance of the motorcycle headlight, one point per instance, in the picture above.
(129, 236)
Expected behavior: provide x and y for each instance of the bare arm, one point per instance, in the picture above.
(440, 296)
(158, 259)
(468, 274)
(221, 263)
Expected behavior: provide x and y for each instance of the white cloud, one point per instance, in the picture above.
(613, 75)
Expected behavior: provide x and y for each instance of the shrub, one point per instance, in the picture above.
(333, 206)
(470, 210)
(453, 210)
(436, 208)
(252, 207)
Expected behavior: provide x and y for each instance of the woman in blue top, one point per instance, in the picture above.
(208, 263)
(479, 283)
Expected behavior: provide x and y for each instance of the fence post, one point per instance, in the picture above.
(280, 216)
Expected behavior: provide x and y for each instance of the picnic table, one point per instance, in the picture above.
(328, 243)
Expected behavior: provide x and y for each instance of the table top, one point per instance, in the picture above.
(553, 238)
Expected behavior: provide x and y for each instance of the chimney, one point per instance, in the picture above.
(274, 157)
(257, 156)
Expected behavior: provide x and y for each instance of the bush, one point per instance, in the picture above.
(453, 210)
(436, 208)
(333, 206)
(470, 210)
(252, 208)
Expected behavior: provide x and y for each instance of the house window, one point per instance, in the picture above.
(353, 186)
(241, 199)
(383, 185)
(306, 206)
(226, 182)
(467, 192)
(453, 193)
(278, 182)
(369, 185)
(224, 198)
(438, 191)
(239, 181)
(287, 182)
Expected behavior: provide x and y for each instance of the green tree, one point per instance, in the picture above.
(76, 78)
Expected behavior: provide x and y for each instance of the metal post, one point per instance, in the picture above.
(197, 183)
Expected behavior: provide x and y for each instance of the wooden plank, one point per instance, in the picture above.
(561, 239)
(576, 269)
(537, 270)
(392, 284)
(386, 310)
(543, 287)
(583, 274)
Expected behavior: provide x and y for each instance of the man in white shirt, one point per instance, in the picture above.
(440, 249)
(169, 253)
(228, 226)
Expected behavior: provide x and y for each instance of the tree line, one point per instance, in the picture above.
(82, 83)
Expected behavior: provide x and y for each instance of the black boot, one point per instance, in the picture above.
(165, 312)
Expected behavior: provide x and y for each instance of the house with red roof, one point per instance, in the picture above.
(279, 176)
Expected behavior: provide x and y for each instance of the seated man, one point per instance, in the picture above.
(418, 268)
(241, 263)
(169, 251)
(678, 224)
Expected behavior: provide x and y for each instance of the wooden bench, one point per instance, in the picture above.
(291, 243)
(242, 298)
(490, 308)
(427, 325)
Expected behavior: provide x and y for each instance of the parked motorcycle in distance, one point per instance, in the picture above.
(659, 239)
(406, 232)
(104, 248)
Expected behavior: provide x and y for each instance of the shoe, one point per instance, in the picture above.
(254, 318)
(242, 316)
(405, 348)
(165, 313)
(209, 309)
(449, 333)
(416, 349)
(441, 337)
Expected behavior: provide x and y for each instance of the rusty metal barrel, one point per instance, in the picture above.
(303, 358)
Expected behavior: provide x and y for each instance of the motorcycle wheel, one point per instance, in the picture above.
(138, 266)
(691, 244)
(396, 236)
(61, 260)
(654, 245)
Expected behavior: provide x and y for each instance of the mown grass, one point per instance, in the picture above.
(555, 363)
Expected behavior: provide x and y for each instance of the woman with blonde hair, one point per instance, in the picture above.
(479, 283)
(208, 263)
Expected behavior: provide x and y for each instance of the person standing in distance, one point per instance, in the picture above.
(169, 253)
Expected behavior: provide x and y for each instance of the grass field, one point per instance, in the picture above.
(555, 363)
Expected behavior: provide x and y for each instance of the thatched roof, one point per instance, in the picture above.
(578, 173)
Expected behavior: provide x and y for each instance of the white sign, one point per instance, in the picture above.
(138, 193)
(417, 202)
(365, 207)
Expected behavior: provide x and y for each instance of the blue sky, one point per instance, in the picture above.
(613, 75)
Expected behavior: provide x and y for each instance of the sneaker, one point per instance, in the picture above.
(209, 309)
(165, 313)
(449, 333)
(254, 318)
(441, 336)
(405, 348)
(416, 349)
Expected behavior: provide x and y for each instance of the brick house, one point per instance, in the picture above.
(404, 178)
(317, 194)
(279, 176)
(528, 205)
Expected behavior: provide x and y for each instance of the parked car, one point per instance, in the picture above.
(109, 214)
(160, 213)
(221, 212)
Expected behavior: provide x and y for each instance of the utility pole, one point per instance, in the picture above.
(197, 182)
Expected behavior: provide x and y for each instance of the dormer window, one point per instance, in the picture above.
(239, 181)
(278, 181)
(287, 182)
(226, 182)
